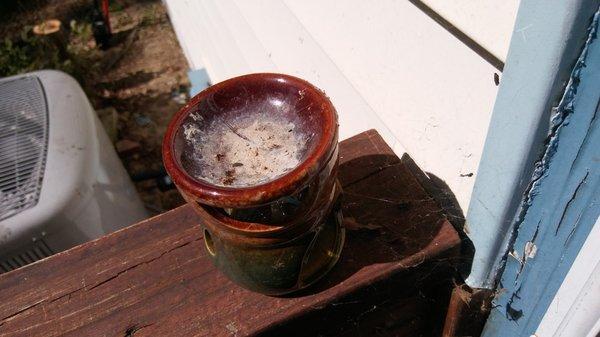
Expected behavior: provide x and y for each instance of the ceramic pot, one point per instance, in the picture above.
(284, 234)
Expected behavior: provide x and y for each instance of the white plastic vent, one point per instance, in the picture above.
(36, 251)
(23, 144)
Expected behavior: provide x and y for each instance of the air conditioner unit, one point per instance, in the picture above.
(61, 182)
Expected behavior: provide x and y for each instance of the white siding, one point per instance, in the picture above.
(385, 65)
(488, 22)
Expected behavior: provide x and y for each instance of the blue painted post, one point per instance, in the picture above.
(561, 205)
(546, 42)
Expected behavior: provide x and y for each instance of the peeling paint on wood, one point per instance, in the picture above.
(532, 82)
(561, 204)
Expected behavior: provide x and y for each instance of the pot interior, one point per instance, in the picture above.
(249, 131)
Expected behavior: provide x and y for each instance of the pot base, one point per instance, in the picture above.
(284, 268)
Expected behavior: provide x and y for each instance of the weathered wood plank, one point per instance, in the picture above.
(154, 278)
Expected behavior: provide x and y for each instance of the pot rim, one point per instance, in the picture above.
(256, 195)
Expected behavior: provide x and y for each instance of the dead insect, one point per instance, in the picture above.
(237, 164)
(229, 178)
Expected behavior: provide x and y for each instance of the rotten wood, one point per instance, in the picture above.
(154, 278)
(467, 311)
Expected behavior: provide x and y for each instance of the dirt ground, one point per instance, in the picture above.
(136, 85)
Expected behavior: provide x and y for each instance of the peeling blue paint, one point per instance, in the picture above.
(533, 80)
(561, 204)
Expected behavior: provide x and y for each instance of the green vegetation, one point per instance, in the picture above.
(30, 52)
(77, 56)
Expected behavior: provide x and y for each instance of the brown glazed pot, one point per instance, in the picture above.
(283, 235)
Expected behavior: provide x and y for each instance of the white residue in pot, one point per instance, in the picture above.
(245, 151)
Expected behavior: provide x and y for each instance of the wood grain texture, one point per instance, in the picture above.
(154, 278)
(468, 310)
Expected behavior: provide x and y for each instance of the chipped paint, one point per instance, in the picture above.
(560, 206)
(530, 250)
(532, 82)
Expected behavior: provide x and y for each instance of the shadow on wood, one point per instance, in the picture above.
(154, 278)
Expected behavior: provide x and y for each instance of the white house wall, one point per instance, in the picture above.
(488, 22)
(385, 65)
